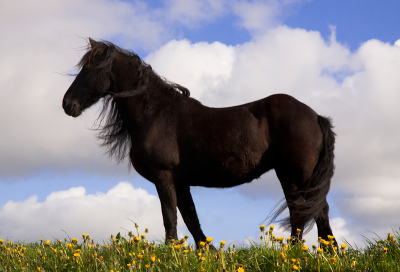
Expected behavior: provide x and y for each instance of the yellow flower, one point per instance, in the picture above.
(295, 267)
(199, 254)
(140, 256)
(1, 241)
(128, 265)
(202, 268)
(146, 230)
(76, 255)
(343, 246)
(298, 230)
(223, 243)
(262, 227)
(187, 237)
(304, 248)
(69, 245)
(320, 250)
(271, 227)
(143, 236)
(60, 251)
(279, 239)
(44, 258)
(202, 244)
(186, 251)
(39, 269)
(39, 251)
(385, 249)
(240, 269)
(202, 259)
(209, 239)
(390, 236)
(288, 239)
(330, 237)
(147, 265)
(47, 243)
(353, 263)
(22, 268)
(285, 247)
(333, 260)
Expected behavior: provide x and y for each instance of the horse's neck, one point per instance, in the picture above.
(138, 110)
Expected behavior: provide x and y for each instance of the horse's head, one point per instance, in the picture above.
(92, 82)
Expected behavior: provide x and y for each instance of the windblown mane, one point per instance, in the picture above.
(113, 132)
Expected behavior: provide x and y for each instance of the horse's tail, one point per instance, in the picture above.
(318, 185)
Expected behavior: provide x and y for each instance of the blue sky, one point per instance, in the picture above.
(321, 52)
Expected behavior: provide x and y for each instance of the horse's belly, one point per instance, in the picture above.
(225, 172)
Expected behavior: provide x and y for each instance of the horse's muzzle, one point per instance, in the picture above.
(71, 107)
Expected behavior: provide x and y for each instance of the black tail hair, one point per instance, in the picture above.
(318, 184)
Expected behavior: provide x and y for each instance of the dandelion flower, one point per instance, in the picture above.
(343, 246)
(202, 244)
(153, 259)
(333, 260)
(240, 269)
(209, 239)
(1, 241)
(47, 243)
(304, 248)
(262, 227)
(330, 237)
(279, 239)
(285, 247)
(319, 250)
(295, 267)
(385, 249)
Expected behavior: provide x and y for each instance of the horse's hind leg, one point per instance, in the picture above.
(322, 220)
(188, 212)
(290, 180)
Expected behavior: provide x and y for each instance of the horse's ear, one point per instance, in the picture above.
(92, 42)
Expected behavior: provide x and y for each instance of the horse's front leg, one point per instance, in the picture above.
(188, 212)
(167, 194)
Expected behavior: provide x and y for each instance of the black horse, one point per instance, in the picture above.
(176, 142)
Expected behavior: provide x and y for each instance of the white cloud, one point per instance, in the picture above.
(191, 13)
(257, 15)
(77, 212)
(199, 67)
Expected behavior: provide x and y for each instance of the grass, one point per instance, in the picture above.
(135, 253)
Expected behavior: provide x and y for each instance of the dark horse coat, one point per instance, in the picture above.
(176, 142)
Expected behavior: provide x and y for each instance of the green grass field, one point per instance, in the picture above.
(136, 253)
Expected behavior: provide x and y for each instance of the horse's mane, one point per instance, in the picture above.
(114, 132)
